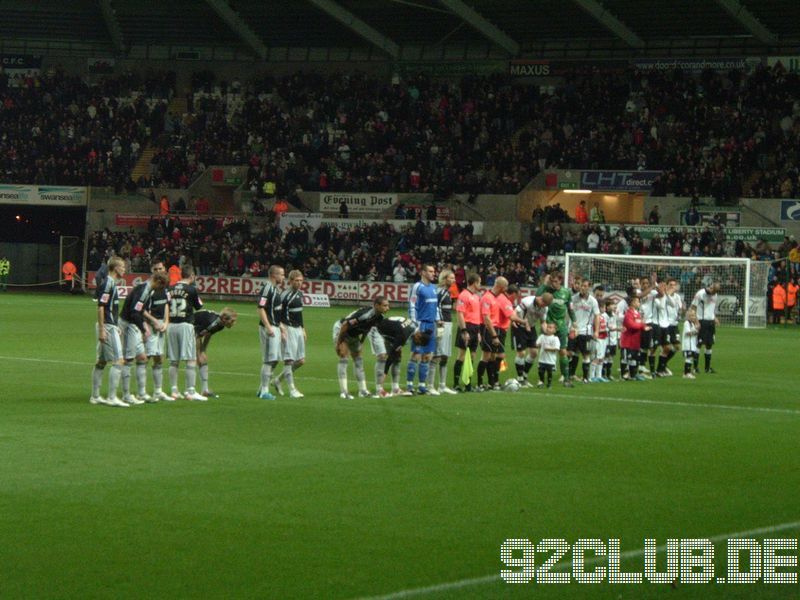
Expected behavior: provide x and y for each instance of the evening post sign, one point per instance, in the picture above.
(357, 203)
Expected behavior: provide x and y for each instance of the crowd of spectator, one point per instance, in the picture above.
(712, 134)
(708, 133)
(380, 252)
(58, 129)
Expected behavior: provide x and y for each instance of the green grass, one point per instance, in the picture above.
(322, 497)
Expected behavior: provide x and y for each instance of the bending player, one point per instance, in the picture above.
(348, 337)
(396, 331)
(206, 324)
(532, 309)
(135, 330)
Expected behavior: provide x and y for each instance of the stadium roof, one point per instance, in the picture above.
(572, 28)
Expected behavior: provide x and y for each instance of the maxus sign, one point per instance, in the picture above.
(357, 203)
(619, 181)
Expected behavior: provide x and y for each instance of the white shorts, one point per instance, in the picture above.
(154, 345)
(132, 340)
(111, 350)
(376, 342)
(294, 348)
(444, 340)
(181, 342)
(599, 348)
(270, 346)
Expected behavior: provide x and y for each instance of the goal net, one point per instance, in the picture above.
(742, 299)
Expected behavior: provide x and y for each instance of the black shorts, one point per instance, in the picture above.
(472, 343)
(647, 338)
(486, 341)
(583, 343)
(659, 336)
(706, 335)
(672, 335)
(572, 344)
(522, 339)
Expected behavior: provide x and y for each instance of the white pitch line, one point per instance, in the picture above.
(495, 577)
(643, 401)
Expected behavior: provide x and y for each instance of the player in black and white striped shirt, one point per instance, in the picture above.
(294, 347)
(270, 328)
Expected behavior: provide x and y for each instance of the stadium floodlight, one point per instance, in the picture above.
(742, 299)
(572, 191)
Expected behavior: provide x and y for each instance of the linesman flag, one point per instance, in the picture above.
(466, 370)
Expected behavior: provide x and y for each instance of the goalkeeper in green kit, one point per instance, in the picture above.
(557, 313)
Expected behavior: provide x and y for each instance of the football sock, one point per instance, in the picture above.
(481, 370)
(670, 354)
(457, 367)
(651, 361)
(288, 374)
(687, 365)
(491, 372)
(158, 377)
(266, 375)
(443, 372)
(528, 365)
(696, 360)
(141, 377)
(423, 372)
(573, 364)
(549, 376)
(541, 373)
(586, 369)
(662, 363)
(498, 363)
(361, 376)
(173, 375)
(395, 371)
(126, 379)
(113, 380)
(380, 371)
(341, 371)
(708, 359)
(411, 372)
(203, 370)
(563, 362)
(433, 368)
(97, 381)
(519, 363)
(190, 376)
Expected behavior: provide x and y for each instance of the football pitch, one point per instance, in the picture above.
(402, 497)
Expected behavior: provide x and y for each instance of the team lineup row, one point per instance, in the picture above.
(576, 325)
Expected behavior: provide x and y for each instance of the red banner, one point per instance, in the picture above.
(356, 291)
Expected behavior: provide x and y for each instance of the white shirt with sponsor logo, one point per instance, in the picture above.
(660, 312)
(585, 310)
(647, 308)
(674, 307)
(705, 304)
(528, 310)
(689, 337)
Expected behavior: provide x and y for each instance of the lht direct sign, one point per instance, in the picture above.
(619, 181)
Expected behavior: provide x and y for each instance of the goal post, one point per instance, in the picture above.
(742, 299)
